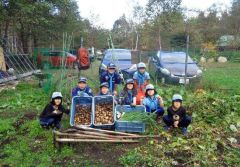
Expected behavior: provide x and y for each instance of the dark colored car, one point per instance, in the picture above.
(122, 58)
(169, 67)
(55, 58)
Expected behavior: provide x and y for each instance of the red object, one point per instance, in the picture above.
(83, 59)
(140, 96)
(54, 58)
(140, 92)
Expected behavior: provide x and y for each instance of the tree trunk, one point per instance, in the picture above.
(35, 41)
(24, 39)
(159, 39)
(5, 37)
(136, 46)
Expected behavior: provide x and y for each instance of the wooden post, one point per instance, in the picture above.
(2, 60)
(67, 140)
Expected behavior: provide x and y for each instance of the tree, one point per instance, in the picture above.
(39, 22)
(166, 19)
(120, 30)
(235, 17)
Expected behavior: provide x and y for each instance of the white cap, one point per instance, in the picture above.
(56, 94)
(149, 86)
(141, 65)
(177, 97)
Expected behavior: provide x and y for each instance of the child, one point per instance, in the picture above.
(153, 102)
(128, 95)
(82, 89)
(177, 116)
(52, 113)
(104, 89)
(111, 77)
(141, 77)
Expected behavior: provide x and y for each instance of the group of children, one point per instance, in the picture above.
(133, 89)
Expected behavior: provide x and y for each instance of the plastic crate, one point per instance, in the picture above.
(133, 127)
(129, 126)
(99, 100)
(84, 101)
(128, 108)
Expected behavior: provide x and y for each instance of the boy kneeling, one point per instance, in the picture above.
(177, 116)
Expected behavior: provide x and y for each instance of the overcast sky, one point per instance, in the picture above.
(107, 11)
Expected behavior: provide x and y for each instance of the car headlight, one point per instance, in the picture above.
(199, 72)
(165, 71)
(103, 67)
(133, 68)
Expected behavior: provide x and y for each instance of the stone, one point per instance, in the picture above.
(222, 59)
(203, 60)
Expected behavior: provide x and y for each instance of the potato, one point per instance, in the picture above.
(83, 115)
(104, 113)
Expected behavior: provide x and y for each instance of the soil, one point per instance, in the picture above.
(25, 117)
(107, 154)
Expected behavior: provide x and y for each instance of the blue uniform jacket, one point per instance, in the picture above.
(152, 104)
(85, 92)
(111, 79)
(127, 97)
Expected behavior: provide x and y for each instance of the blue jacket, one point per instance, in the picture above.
(111, 79)
(152, 104)
(127, 97)
(141, 78)
(85, 92)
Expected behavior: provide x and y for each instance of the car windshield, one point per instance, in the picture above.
(174, 58)
(120, 55)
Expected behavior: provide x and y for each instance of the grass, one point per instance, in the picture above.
(210, 142)
(225, 76)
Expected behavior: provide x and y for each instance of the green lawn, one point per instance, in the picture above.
(211, 142)
(225, 76)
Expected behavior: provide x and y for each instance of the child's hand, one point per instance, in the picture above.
(160, 99)
(176, 124)
(133, 104)
(115, 92)
(55, 112)
(68, 107)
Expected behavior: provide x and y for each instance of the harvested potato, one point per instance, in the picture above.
(104, 114)
(83, 115)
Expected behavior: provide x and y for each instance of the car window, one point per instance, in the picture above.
(120, 55)
(174, 58)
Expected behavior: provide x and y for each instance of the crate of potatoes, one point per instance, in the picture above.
(103, 111)
(81, 111)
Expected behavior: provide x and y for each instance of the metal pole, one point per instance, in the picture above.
(186, 62)
(81, 42)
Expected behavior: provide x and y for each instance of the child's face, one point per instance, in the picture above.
(142, 70)
(57, 101)
(104, 90)
(150, 92)
(111, 70)
(130, 86)
(82, 85)
(177, 104)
